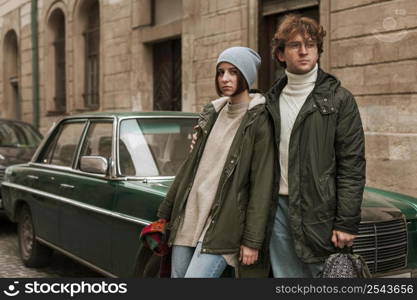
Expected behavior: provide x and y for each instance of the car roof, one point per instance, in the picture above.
(133, 114)
(14, 121)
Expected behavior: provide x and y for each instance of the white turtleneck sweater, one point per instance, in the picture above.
(291, 100)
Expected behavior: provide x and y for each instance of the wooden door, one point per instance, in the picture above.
(167, 75)
(270, 70)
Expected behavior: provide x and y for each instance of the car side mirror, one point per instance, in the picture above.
(94, 164)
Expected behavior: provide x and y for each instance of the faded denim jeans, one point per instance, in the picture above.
(284, 260)
(189, 262)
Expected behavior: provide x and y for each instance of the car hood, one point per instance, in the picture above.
(379, 204)
(12, 156)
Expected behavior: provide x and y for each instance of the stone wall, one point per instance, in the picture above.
(373, 52)
(209, 28)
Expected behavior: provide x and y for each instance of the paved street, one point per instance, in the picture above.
(11, 265)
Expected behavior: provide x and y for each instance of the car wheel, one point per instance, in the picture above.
(148, 265)
(33, 253)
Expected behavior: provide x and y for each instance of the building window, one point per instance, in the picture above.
(167, 75)
(11, 93)
(57, 28)
(92, 57)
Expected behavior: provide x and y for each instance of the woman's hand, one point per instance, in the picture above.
(194, 140)
(248, 256)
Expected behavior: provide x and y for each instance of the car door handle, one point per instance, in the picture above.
(33, 177)
(66, 186)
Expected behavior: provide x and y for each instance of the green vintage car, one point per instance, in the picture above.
(96, 180)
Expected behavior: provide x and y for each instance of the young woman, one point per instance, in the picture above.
(219, 203)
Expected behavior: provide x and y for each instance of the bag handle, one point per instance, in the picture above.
(345, 250)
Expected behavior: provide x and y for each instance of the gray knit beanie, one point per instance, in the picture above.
(245, 59)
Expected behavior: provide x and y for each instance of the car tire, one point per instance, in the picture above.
(32, 253)
(148, 264)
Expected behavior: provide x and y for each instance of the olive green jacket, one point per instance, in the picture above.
(243, 199)
(326, 166)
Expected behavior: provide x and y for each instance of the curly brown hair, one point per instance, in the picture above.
(291, 25)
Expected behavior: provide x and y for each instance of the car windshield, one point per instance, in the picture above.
(154, 146)
(18, 135)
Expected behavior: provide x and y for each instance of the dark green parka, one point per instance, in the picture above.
(243, 198)
(326, 166)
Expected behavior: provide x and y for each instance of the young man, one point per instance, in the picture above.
(320, 144)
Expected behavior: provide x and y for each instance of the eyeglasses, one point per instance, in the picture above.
(296, 46)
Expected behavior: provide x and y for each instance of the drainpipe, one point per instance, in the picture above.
(35, 63)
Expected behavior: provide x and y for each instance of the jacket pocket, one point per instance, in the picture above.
(318, 236)
(327, 187)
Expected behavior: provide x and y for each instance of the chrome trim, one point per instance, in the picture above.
(113, 121)
(395, 274)
(70, 170)
(159, 117)
(79, 172)
(114, 152)
(79, 204)
(80, 260)
(377, 252)
(50, 166)
(94, 164)
(116, 115)
(384, 233)
(114, 164)
(50, 132)
(147, 179)
(43, 142)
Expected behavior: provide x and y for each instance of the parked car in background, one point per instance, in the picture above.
(96, 180)
(18, 142)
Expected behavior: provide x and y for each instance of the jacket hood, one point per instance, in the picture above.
(256, 99)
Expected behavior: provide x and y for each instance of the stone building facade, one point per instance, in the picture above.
(124, 55)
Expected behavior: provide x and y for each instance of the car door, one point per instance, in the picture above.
(48, 176)
(85, 224)
(150, 151)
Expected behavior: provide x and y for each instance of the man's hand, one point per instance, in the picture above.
(248, 255)
(341, 239)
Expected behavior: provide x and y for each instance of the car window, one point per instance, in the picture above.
(98, 141)
(62, 149)
(154, 147)
(18, 135)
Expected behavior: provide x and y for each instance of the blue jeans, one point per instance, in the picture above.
(284, 260)
(189, 262)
